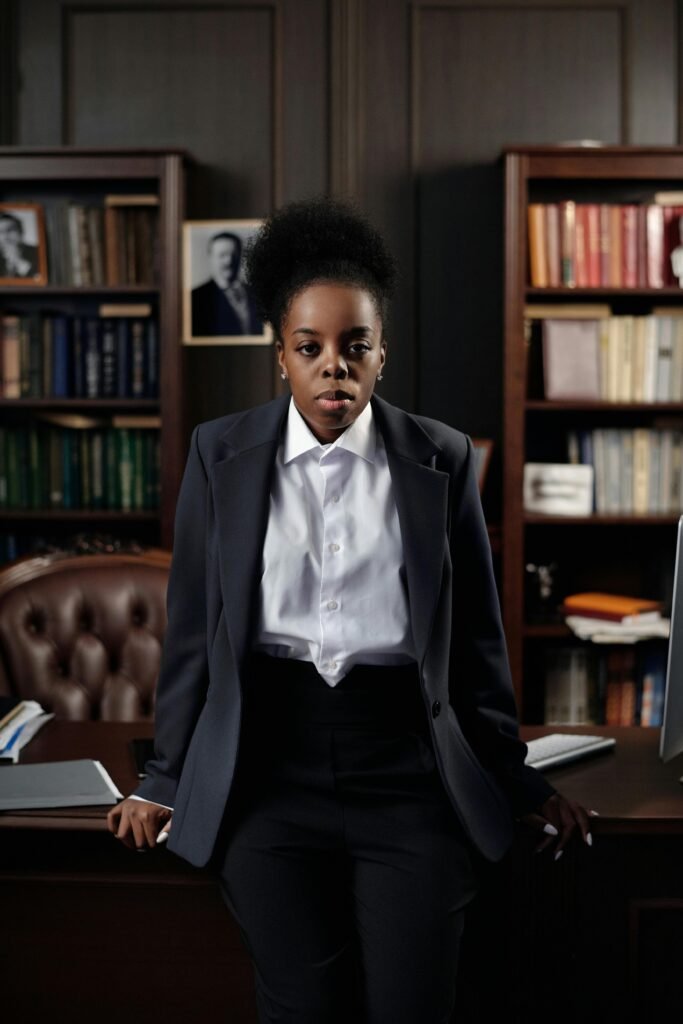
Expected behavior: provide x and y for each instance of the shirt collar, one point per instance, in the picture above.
(359, 439)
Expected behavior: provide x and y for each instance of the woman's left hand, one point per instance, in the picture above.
(558, 820)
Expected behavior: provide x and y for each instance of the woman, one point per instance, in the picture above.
(335, 724)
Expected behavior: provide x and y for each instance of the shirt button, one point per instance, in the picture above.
(334, 548)
(332, 665)
(332, 606)
(436, 709)
(335, 498)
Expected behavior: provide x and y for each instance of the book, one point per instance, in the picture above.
(80, 783)
(571, 359)
(615, 607)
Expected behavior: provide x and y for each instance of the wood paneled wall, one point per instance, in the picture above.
(403, 105)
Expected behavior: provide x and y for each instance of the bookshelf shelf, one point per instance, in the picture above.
(615, 519)
(79, 290)
(127, 405)
(95, 234)
(77, 515)
(538, 294)
(616, 552)
(654, 408)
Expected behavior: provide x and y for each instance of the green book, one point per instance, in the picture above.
(4, 500)
(56, 468)
(125, 468)
(112, 490)
(85, 468)
(97, 469)
(34, 481)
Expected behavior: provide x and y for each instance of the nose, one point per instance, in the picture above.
(335, 366)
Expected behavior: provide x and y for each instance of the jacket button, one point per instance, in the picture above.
(436, 709)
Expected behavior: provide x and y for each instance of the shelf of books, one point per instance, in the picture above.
(593, 459)
(91, 413)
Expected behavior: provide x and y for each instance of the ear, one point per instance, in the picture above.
(280, 349)
(382, 353)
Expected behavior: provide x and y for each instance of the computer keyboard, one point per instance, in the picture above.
(560, 747)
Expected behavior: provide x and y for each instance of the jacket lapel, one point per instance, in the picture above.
(421, 495)
(241, 484)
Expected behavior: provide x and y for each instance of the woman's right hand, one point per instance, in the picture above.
(139, 823)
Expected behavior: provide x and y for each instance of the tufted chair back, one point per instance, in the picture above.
(82, 634)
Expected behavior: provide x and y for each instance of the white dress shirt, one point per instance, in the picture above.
(333, 587)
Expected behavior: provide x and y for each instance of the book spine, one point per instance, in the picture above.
(568, 242)
(537, 246)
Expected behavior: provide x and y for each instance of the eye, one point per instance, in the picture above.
(309, 348)
(359, 348)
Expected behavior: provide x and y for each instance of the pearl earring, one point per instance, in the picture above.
(380, 376)
(283, 375)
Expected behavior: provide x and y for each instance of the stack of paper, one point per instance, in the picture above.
(613, 618)
(20, 720)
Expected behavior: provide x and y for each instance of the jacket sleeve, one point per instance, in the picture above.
(183, 674)
(481, 691)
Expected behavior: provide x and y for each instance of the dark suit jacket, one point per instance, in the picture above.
(220, 526)
(212, 314)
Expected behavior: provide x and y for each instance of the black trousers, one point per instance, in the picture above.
(341, 858)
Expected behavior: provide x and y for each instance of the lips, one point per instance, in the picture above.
(335, 396)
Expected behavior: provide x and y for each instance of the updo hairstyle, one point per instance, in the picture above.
(311, 242)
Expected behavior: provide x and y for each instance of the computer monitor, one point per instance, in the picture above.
(671, 737)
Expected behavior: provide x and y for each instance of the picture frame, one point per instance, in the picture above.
(483, 449)
(23, 246)
(217, 306)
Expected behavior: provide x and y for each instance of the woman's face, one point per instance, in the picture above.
(331, 351)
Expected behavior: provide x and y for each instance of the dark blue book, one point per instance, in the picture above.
(137, 358)
(152, 360)
(77, 358)
(60, 357)
(109, 359)
(123, 358)
(93, 358)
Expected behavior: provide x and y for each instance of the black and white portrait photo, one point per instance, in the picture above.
(22, 244)
(218, 308)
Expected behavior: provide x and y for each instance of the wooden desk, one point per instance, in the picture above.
(97, 933)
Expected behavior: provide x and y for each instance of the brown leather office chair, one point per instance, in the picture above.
(82, 634)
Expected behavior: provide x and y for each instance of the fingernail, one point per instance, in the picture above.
(594, 814)
(559, 854)
(589, 838)
(162, 837)
(550, 830)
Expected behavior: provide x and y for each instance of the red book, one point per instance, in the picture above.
(604, 245)
(654, 246)
(593, 243)
(581, 247)
(629, 246)
(552, 239)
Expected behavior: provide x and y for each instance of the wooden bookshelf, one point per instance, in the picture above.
(620, 552)
(44, 176)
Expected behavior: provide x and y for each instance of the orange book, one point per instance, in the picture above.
(537, 249)
(596, 605)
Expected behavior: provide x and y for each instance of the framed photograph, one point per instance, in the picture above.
(23, 252)
(482, 453)
(217, 306)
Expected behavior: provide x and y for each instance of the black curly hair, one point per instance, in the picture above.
(316, 240)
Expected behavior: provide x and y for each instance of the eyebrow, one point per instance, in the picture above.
(360, 329)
